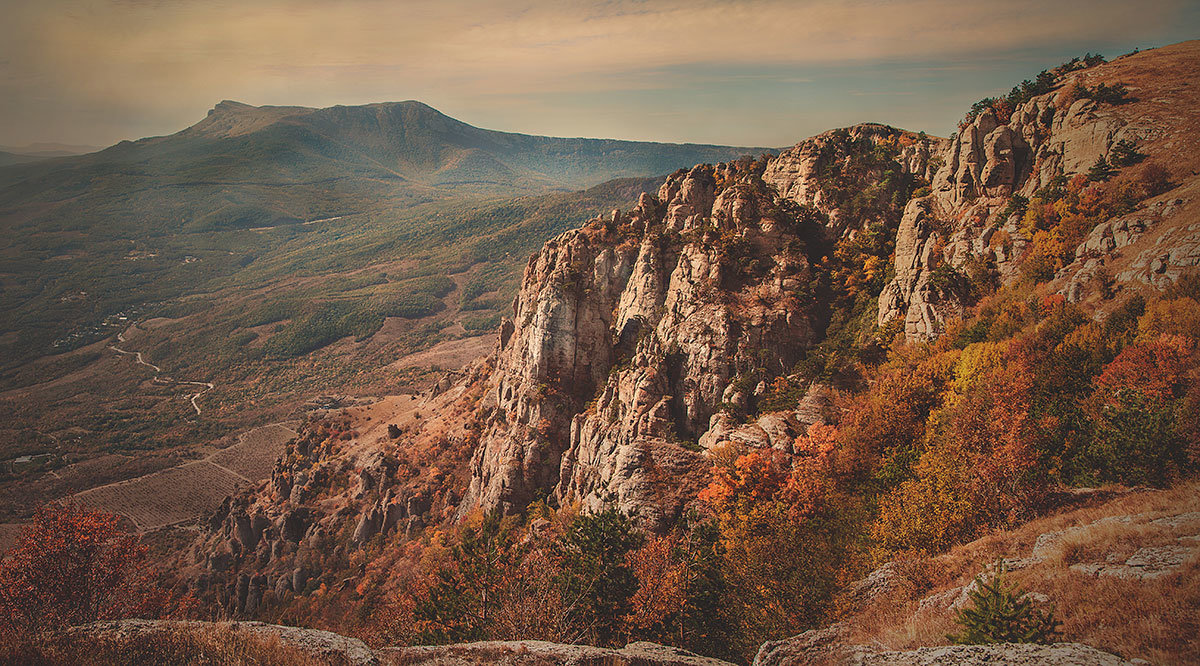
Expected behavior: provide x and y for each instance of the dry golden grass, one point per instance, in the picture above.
(192, 645)
(1156, 619)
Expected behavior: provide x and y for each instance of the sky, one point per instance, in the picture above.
(738, 72)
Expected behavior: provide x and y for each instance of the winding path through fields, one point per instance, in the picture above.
(208, 386)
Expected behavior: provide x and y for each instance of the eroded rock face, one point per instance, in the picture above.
(795, 172)
(982, 166)
(912, 293)
(628, 333)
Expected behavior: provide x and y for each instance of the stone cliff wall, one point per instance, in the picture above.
(629, 334)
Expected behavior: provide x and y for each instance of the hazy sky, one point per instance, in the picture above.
(745, 72)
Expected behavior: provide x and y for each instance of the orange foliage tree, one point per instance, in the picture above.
(71, 566)
(783, 535)
(661, 593)
(1141, 409)
(980, 467)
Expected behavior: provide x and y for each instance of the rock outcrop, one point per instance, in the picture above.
(632, 336)
(826, 647)
(628, 333)
(1003, 654)
(541, 653)
(324, 647)
(964, 223)
(311, 644)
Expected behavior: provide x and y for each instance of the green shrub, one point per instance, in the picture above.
(1002, 613)
(1114, 94)
(1017, 205)
(1100, 171)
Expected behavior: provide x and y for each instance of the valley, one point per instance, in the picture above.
(243, 322)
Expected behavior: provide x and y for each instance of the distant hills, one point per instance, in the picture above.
(413, 141)
(227, 171)
(40, 151)
(249, 194)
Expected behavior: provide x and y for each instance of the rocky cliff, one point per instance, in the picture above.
(633, 337)
(637, 343)
(966, 216)
(642, 341)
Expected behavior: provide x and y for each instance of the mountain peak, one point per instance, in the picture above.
(230, 118)
(227, 105)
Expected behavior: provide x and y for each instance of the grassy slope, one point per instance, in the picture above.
(1152, 619)
(321, 309)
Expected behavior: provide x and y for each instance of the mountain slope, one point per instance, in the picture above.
(403, 151)
(247, 168)
(715, 363)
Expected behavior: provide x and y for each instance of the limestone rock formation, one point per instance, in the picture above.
(1002, 654)
(539, 653)
(984, 164)
(828, 646)
(626, 337)
(630, 336)
(796, 172)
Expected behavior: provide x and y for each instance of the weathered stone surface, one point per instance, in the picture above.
(828, 647)
(793, 172)
(1145, 564)
(818, 646)
(625, 344)
(986, 162)
(541, 653)
(320, 645)
(1003, 654)
(910, 294)
(878, 583)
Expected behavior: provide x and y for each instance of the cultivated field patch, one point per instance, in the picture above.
(254, 455)
(8, 535)
(165, 498)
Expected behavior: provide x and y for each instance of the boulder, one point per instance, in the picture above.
(542, 653)
(312, 645)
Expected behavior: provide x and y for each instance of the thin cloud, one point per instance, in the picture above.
(172, 59)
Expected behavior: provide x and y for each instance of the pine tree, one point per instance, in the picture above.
(1100, 170)
(594, 555)
(1125, 153)
(1002, 613)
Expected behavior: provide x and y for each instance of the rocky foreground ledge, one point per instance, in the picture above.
(312, 646)
(826, 647)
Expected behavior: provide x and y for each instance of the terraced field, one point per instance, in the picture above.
(253, 457)
(188, 491)
(164, 498)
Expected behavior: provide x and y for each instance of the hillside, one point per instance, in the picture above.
(320, 311)
(226, 171)
(730, 373)
(209, 190)
(254, 241)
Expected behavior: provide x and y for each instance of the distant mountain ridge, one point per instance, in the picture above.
(418, 142)
(244, 166)
(149, 216)
(35, 152)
